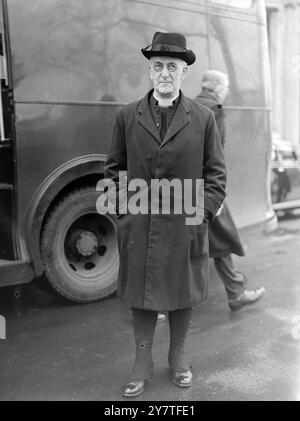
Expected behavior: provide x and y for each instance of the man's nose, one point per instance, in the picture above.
(165, 72)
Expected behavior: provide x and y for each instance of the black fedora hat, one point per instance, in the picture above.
(169, 44)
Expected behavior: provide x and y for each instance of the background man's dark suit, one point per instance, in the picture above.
(223, 235)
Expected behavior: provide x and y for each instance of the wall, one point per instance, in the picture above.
(284, 43)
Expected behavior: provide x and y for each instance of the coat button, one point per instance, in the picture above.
(157, 124)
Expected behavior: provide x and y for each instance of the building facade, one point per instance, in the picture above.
(284, 42)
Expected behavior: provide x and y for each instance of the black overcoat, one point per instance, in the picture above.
(223, 235)
(163, 261)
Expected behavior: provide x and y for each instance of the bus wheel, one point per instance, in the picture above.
(79, 248)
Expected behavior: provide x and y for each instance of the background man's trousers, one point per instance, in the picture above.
(233, 280)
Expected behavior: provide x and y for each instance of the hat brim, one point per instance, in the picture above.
(188, 56)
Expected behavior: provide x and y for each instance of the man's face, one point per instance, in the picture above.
(167, 74)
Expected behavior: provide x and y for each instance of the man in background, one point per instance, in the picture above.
(223, 235)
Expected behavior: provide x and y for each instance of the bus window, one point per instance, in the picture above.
(91, 49)
(234, 45)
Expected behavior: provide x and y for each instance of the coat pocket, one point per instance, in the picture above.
(199, 246)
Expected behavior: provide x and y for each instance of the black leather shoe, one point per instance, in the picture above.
(247, 297)
(182, 378)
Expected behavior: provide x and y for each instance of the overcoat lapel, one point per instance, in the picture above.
(144, 117)
(180, 120)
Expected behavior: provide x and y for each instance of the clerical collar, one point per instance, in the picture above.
(166, 102)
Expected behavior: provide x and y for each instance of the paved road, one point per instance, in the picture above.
(58, 351)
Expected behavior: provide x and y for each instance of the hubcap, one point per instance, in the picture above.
(86, 243)
(90, 247)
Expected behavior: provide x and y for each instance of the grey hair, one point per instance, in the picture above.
(215, 82)
(213, 78)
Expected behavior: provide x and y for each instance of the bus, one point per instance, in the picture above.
(67, 66)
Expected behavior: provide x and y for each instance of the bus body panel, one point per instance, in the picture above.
(50, 135)
(247, 160)
(15, 272)
(69, 174)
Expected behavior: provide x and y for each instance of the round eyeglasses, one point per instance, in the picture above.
(158, 67)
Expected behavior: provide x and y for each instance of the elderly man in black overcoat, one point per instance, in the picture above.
(223, 235)
(164, 262)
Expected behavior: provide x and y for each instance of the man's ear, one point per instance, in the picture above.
(149, 71)
(184, 72)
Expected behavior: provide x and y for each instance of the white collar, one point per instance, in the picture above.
(165, 102)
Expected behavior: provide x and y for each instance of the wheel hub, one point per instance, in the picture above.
(86, 243)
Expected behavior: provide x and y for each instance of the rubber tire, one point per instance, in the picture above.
(59, 277)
